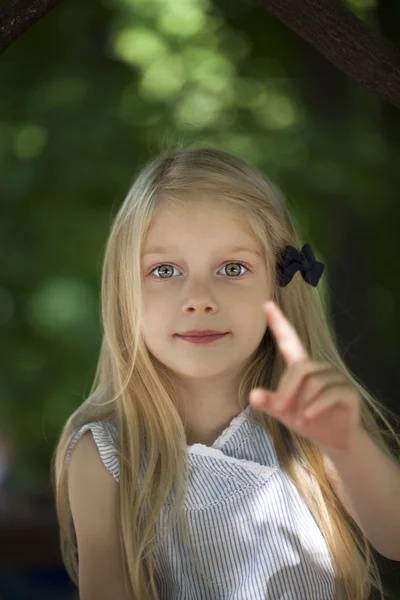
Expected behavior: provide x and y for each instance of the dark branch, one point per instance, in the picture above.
(345, 41)
(16, 16)
(328, 25)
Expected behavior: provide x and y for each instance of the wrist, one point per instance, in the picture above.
(339, 454)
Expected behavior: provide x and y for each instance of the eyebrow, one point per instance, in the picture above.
(160, 250)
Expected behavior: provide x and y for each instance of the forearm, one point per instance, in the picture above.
(371, 482)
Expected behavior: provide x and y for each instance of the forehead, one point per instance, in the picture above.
(206, 221)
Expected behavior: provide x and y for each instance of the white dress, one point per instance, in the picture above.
(248, 526)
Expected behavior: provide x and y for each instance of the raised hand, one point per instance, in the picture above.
(314, 399)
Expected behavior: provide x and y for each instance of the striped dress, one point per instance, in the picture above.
(250, 530)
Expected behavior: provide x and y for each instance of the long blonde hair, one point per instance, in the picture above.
(133, 387)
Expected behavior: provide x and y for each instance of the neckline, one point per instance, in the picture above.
(227, 433)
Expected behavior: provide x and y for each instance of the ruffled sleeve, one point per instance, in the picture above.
(105, 434)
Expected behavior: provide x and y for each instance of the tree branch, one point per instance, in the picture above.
(363, 54)
(16, 16)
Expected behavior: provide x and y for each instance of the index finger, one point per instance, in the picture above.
(285, 334)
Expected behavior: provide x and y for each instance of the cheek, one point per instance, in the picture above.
(252, 324)
(156, 316)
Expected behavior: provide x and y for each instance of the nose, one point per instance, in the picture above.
(199, 299)
(200, 306)
(199, 293)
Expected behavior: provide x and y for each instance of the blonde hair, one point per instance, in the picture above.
(131, 385)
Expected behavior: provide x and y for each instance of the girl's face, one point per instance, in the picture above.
(193, 280)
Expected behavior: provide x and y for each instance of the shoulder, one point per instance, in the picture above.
(104, 441)
(92, 491)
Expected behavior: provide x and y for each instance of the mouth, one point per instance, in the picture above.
(202, 339)
(201, 332)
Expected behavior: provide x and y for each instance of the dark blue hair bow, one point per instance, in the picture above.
(304, 262)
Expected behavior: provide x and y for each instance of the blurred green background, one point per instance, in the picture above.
(95, 90)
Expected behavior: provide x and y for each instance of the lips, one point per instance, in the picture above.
(197, 333)
(202, 339)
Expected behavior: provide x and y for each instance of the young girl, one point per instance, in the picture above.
(177, 478)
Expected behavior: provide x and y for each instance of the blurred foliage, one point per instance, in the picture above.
(92, 92)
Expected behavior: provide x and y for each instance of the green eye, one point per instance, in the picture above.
(171, 266)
